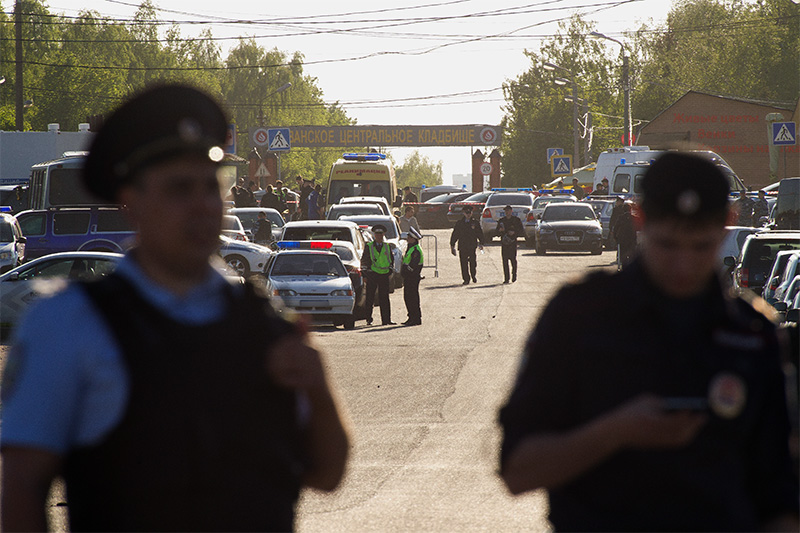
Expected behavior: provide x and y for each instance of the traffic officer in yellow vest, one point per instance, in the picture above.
(412, 270)
(376, 265)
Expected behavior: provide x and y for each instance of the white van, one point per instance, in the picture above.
(362, 175)
(641, 157)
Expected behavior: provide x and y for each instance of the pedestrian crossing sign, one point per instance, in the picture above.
(561, 166)
(278, 140)
(784, 134)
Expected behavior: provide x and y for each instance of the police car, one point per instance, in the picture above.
(244, 258)
(313, 282)
(22, 285)
(521, 202)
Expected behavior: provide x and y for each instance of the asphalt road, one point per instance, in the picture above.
(423, 401)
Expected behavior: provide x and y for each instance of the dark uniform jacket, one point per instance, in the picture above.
(507, 225)
(734, 476)
(467, 233)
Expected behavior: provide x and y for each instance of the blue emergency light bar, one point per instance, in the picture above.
(520, 189)
(364, 157)
(556, 191)
(5, 208)
(307, 245)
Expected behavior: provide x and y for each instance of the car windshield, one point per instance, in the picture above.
(477, 197)
(231, 222)
(439, 199)
(344, 253)
(308, 265)
(544, 200)
(344, 210)
(248, 219)
(391, 227)
(6, 234)
(317, 233)
(508, 199)
(568, 212)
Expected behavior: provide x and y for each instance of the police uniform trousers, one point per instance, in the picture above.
(509, 253)
(411, 296)
(379, 282)
(469, 263)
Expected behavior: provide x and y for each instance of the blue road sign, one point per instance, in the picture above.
(278, 140)
(784, 133)
(561, 166)
(554, 151)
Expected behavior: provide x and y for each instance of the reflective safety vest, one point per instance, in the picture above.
(381, 261)
(407, 257)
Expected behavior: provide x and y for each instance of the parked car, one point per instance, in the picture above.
(757, 256)
(603, 209)
(21, 285)
(432, 213)
(521, 202)
(336, 211)
(732, 244)
(313, 282)
(786, 302)
(248, 216)
(477, 201)
(569, 226)
(63, 229)
(391, 237)
(787, 274)
(12, 243)
(232, 227)
(381, 201)
(324, 230)
(242, 257)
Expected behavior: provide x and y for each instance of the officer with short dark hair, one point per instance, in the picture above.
(509, 227)
(376, 266)
(140, 388)
(668, 411)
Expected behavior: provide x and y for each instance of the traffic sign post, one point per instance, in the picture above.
(554, 151)
(278, 140)
(561, 166)
(486, 168)
(784, 133)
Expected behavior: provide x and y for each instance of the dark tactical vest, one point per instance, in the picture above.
(208, 442)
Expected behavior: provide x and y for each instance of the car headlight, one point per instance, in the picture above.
(545, 229)
(5, 255)
(594, 230)
(284, 292)
(342, 292)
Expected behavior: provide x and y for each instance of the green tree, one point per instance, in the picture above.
(418, 170)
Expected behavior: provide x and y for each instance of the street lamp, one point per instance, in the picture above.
(626, 85)
(587, 125)
(562, 82)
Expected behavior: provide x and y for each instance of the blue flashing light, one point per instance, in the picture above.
(374, 156)
(288, 245)
(5, 208)
(622, 161)
(520, 189)
(300, 245)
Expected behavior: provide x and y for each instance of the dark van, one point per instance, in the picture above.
(64, 229)
(787, 206)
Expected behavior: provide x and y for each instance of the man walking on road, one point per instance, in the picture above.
(140, 388)
(509, 228)
(376, 265)
(668, 411)
(412, 274)
(468, 235)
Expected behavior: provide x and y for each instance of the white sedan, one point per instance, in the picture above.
(315, 283)
(244, 258)
(44, 275)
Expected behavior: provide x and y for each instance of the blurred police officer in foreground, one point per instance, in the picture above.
(468, 235)
(412, 274)
(140, 389)
(376, 265)
(668, 411)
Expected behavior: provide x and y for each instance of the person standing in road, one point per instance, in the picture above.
(409, 196)
(315, 203)
(625, 235)
(271, 200)
(262, 229)
(743, 206)
(577, 190)
(408, 220)
(412, 274)
(760, 209)
(376, 265)
(303, 189)
(509, 228)
(468, 235)
(139, 388)
(677, 420)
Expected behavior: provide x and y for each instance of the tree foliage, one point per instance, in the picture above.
(77, 68)
(418, 170)
(736, 48)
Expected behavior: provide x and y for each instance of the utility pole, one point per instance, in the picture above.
(626, 89)
(20, 122)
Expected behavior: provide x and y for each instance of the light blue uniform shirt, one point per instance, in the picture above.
(65, 383)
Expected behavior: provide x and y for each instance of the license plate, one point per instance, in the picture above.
(314, 303)
(569, 239)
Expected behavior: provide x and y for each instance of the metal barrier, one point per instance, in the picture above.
(435, 266)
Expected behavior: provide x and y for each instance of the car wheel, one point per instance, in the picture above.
(597, 251)
(238, 264)
(349, 322)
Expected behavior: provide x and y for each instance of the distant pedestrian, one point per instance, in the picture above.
(743, 206)
(314, 202)
(760, 209)
(262, 229)
(509, 227)
(376, 266)
(468, 236)
(408, 220)
(625, 235)
(409, 196)
(577, 190)
(303, 189)
(271, 199)
(412, 274)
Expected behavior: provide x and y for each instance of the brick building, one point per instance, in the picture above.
(735, 128)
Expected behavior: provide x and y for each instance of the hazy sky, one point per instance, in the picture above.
(404, 62)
